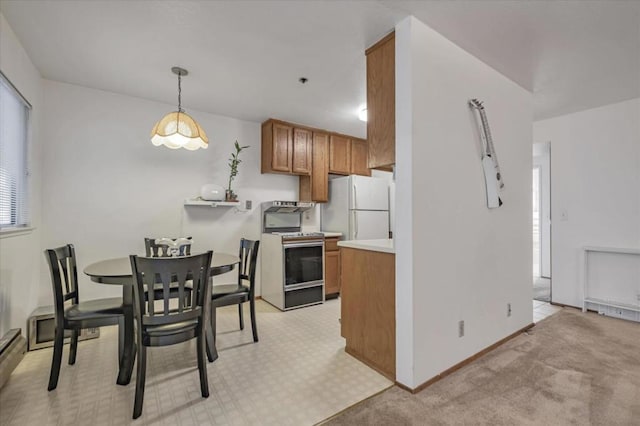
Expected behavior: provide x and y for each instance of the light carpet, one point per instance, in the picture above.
(570, 369)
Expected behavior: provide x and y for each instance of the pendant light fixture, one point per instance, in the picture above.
(177, 129)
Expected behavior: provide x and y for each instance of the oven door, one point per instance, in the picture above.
(303, 264)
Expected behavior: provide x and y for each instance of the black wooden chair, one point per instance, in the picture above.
(163, 249)
(237, 294)
(167, 326)
(76, 315)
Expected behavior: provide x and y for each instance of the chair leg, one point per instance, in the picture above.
(254, 328)
(57, 358)
(73, 347)
(121, 326)
(140, 380)
(202, 365)
(212, 353)
(241, 315)
(128, 333)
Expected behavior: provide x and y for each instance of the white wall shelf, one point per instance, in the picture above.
(205, 203)
(613, 304)
(197, 202)
(601, 302)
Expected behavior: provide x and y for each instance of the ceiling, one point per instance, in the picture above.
(245, 57)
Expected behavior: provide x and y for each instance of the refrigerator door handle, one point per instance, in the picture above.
(355, 225)
(355, 198)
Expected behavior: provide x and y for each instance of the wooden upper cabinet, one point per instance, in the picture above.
(316, 186)
(277, 147)
(339, 155)
(302, 149)
(359, 158)
(381, 102)
(285, 148)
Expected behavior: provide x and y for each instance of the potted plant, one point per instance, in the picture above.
(234, 161)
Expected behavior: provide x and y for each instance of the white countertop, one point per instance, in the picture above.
(332, 234)
(384, 246)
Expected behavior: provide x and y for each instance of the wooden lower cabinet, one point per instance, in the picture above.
(331, 266)
(368, 314)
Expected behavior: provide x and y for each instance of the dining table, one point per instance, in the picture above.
(117, 271)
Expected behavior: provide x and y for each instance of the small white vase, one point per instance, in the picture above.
(212, 192)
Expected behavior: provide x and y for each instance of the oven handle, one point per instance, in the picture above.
(308, 284)
(305, 244)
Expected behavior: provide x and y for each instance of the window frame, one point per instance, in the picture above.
(26, 227)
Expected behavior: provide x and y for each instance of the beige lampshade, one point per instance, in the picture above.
(178, 130)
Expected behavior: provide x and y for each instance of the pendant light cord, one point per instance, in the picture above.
(180, 92)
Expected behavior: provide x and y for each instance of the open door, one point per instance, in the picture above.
(541, 202)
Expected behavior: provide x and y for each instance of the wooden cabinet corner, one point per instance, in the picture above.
(381, 104)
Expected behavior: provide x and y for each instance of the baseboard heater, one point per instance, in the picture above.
(41, 329)
(12, 349)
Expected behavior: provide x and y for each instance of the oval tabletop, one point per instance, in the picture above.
(118, 271)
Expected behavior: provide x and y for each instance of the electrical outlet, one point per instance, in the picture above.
(508, 309)
(461, 328)
(247, 205)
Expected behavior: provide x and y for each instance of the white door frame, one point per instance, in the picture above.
(542, 158)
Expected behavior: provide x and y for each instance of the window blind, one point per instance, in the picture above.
(14, 126)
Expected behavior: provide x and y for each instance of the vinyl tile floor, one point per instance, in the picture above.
(541, 310)
(297, 374)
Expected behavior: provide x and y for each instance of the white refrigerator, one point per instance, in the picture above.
(358, 207)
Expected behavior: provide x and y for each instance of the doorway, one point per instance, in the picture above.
(541, 204)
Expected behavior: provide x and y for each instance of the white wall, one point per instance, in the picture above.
(106, 187)
(595, 180)
(19, 253)
(458, 259)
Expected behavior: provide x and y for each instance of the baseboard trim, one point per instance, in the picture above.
(370, 364)
(463, 362)
(562, 305)
(327, 420)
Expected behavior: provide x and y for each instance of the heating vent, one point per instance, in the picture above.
(41, 327)
(12, 348)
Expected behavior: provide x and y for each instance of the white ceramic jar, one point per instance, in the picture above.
(212, 192)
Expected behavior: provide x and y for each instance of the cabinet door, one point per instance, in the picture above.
(316, 187)
(320, 168)
(359, 158)
(282, 146)
(301, 152)
(332, 272)
(381, 103)
(340, 155)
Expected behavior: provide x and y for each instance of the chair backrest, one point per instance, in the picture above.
(64, 277)
(163, 248)
(248, 259)
(165, 274)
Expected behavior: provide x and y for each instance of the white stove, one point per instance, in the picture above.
(292, 269)
(288, 235)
